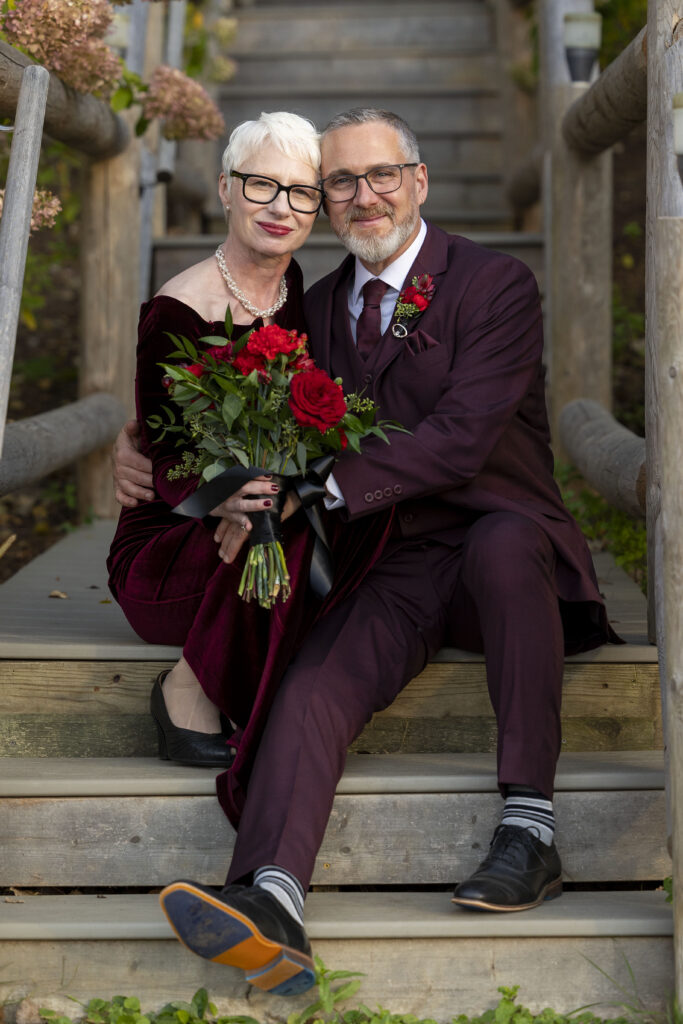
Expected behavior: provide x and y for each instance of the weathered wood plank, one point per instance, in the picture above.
(370, 840)
(79, 120)
(39, 445)
(440, 974)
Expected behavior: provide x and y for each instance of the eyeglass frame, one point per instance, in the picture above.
(365, 177)
(280, 188)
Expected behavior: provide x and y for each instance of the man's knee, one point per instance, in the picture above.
(507, 551)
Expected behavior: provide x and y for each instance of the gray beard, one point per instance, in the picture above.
(376, 250)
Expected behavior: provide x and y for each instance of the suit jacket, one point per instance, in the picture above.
(468, 381)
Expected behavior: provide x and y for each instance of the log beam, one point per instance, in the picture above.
(609, 457)
(83, 122)
(40, 445)
(613, 105)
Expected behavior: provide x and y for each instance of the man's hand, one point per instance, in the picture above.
(133, 481)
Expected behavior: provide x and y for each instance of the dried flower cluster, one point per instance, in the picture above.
(66, 37)
(46, 206)
(185, 108)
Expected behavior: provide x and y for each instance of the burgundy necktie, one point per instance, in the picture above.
(369, 326)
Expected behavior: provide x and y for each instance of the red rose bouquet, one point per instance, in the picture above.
(262, 404)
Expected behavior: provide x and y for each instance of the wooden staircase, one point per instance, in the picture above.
(436, 64)
(92, 824)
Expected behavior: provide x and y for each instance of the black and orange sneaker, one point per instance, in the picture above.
(242, 926)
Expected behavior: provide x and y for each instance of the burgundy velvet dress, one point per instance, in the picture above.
(165, 572)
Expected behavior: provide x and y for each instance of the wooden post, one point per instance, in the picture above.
(110, 254)
(668, 245)
(662, 319)
(520, 124)
(579, 275)
(15, 225)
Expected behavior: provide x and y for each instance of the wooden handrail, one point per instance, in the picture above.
(614, 104)
(16, 220)
(610, 458)
(42, 444)
(83, 122)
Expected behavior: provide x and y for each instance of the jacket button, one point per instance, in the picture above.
(408, 517)
(397, 489)
(388, 492)
(369, 497)
(367, 379)
(378, 494)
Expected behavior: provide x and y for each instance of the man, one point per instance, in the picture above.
(482, 553)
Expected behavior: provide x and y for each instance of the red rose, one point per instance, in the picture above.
(420, 301)
(344, 439)
(272, 341)
(316, 401)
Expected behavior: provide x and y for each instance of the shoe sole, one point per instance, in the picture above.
(216, 932)
(550, 892)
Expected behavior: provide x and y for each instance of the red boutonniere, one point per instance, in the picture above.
(412, 302)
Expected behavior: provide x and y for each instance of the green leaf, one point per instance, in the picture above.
(231, 408)
(241, 342)
(240, 456)
(200, 1002)
(141, 126)
(228, 322)
(301, 456)
(121, 99)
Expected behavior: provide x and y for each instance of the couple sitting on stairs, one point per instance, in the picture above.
(454, 533)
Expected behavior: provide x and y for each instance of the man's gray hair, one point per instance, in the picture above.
(294, 136)
(366, 115)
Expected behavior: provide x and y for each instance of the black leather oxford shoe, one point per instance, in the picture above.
(242, 926)
(518, 873)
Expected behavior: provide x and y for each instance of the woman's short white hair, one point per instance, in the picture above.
(294, 136)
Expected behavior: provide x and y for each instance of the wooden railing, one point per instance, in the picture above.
(118, 204)
(579, 123)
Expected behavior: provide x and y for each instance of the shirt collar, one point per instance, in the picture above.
(395, 273)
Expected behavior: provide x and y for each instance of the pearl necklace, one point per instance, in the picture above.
(241, 297)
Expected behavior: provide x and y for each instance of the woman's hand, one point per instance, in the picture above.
(235, 525)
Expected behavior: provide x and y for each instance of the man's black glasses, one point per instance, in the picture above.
(259, 189)
(339, 188)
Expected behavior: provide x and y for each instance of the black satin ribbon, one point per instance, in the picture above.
(310, 490)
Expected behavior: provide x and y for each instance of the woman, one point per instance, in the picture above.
(176, 578)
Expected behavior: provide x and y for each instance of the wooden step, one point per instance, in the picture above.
(418, 952)
(75, 679)
(395, 821)
(332, 28)
(323, 252)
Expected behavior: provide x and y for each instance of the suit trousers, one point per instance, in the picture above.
(493, 592)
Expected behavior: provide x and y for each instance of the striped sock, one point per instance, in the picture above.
(528, 808)
(287, 890)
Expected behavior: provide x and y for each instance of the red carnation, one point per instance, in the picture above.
(409, 294)
(272, 341)
(221, 353)
(316, 401)
(197, 370)
(420, 301)
(246, 361)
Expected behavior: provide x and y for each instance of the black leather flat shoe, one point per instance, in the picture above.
(185, 746)
(242, 926)
(519, 872)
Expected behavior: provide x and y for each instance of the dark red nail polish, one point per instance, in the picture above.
(267, 503)
(274, 487)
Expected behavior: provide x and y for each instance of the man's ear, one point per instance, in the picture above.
(422, 182)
